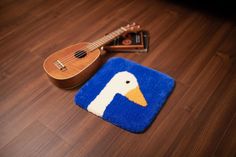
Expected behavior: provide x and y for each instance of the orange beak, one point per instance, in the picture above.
(136, 96)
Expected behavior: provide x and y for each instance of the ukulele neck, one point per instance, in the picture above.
(106, 39)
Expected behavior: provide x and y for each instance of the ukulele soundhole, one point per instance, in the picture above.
(80, 54)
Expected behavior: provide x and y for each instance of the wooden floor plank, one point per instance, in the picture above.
(35, 140)
(209, 122)
(227, 145)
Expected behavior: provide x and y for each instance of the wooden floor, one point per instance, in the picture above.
(195, 48)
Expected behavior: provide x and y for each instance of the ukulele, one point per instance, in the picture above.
(73, 65)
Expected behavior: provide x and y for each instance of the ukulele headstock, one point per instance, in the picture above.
(132, 27)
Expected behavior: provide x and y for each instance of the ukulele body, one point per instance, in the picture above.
(66, 70)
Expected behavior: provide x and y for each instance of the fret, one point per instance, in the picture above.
(107, 38)
(110, 37)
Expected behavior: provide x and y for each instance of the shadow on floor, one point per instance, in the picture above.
(224, 9)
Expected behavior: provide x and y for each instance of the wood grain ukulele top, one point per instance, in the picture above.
(73, 65)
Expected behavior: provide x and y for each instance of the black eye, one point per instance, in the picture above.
(127, 82)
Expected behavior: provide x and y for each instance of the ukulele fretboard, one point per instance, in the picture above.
(109, 37)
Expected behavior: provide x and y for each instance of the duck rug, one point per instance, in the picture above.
(126, 94)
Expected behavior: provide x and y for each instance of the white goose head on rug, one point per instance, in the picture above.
(124, 83)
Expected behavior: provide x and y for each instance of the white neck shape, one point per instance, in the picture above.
(103, 99)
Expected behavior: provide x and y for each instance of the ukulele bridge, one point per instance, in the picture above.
(59, 65)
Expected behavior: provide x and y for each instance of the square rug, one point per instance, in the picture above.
(125, 94)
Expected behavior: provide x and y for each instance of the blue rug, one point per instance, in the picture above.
(126, 94)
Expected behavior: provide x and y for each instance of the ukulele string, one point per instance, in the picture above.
(88, 49)
(69, 58)
(92, 46)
